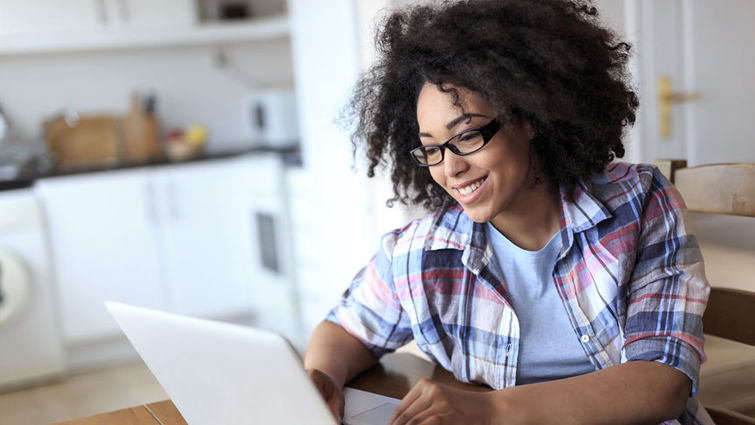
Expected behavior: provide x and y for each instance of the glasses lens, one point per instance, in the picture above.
(433, 155)
(427, 155)
(419, 155)
(469, 141)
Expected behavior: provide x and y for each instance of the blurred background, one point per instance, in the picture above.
(184, 155)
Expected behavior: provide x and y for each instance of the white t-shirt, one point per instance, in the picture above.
(549, 348)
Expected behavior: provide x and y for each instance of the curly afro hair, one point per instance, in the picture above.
(549, 62)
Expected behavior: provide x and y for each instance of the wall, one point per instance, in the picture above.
(190, 87)
(331, 220)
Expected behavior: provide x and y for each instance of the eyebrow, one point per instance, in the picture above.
(454, 123)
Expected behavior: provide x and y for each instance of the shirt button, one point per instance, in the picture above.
(585, 338)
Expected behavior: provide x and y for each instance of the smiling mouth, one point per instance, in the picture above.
(468, 189)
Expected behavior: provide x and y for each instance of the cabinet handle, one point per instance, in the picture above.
(174, 213)
(151, 207)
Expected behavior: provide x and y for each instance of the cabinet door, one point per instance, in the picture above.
(207, 252)
(135, 14)
(49, 16)
(103, 237)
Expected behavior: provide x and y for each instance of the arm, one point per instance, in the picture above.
(336, 353)
(631, 393)
(376, 323)
(637, 392)
(333, 358)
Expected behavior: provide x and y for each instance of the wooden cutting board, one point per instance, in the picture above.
(94, 141)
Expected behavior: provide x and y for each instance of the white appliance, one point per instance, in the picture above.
(271, 118)
(30, 344)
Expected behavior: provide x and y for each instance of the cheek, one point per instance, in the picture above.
(512, 163)
(437, 174)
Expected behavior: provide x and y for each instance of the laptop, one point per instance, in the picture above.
(221, 373)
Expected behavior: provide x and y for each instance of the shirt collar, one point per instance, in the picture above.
(584, 211)
(455, 230)
(452, 229)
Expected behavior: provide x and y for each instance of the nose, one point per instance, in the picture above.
(454, 165)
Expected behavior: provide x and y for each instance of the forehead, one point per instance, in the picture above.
(436, 107)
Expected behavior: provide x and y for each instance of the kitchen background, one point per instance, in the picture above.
(185, 155)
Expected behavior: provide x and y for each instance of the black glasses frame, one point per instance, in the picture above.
(487, 132)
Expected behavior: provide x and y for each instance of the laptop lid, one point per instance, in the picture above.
(220, 373)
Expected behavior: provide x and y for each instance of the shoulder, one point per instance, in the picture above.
(449, 227)
(622, 185)
(618, 175)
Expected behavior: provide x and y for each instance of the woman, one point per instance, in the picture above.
(569, 284)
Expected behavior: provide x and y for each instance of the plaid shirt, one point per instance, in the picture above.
(630, 275)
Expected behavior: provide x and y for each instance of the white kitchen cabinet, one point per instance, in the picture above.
(151, 14)
(104, 247)
(183, 238)
(49, 19)
(50, 16)
(207, 253)
(53, 26)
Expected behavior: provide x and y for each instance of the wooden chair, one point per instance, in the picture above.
(721, 189)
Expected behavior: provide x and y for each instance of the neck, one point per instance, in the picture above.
(532, 221)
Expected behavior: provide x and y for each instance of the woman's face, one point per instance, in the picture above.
(489, 182)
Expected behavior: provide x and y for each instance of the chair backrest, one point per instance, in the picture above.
(721, 189)
(717, 188)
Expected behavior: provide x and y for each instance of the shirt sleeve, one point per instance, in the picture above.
(370, 309)
(668, 290)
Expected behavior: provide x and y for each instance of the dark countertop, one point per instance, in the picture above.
(15, 184)
(291, 157)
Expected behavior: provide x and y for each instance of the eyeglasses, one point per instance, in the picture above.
(465, 143)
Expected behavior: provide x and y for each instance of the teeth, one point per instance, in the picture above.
(466, 190)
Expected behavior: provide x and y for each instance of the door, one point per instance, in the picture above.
(704, 50)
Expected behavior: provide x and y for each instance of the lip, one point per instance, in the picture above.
(472, 197)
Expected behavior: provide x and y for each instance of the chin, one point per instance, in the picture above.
(477, 216)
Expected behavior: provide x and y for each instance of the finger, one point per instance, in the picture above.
(435, 417)
(408, 399)
(419, 399)
(421, 404)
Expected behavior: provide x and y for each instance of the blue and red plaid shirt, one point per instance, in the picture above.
(630, 275)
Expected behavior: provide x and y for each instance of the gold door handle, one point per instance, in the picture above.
(666, 99)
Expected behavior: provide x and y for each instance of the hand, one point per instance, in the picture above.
(430, 403)
(332, 393)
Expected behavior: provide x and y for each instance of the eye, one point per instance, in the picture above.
(470, 137)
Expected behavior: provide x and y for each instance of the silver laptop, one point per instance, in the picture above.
(220, 373)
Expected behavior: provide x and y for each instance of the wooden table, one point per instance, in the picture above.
(394, 376)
